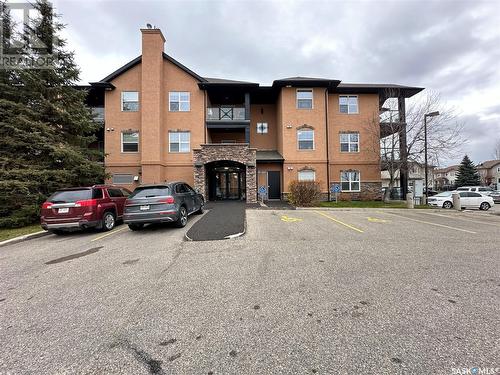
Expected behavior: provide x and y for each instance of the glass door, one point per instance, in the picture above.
(233, 181)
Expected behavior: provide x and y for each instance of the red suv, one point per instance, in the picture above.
(99, 206)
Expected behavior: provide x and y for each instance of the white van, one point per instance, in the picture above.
(485, 190)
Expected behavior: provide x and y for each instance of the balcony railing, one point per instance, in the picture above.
(226, 113)
(389, 116)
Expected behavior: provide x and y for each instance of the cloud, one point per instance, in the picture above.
(449, 46)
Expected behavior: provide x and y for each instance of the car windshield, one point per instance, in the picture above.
(463, 189)
(69, 196)
(443, 194)
(149, 192)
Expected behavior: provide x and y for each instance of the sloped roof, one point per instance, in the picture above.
(227, 81)
(488, 164)
(136, 61)
(269, 156)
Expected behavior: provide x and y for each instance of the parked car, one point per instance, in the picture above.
(430, 192)
(468, 199)
(496, 196)
(478, 189)
(99, 206)
(162, 203)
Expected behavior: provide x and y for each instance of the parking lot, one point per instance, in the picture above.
(303, 291)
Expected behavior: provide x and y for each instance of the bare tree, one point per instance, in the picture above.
(496, 152)
(444, 133)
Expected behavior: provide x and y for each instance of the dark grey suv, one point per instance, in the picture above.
(162, 203)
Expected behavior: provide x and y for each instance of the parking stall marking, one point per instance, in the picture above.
(433, 224)
(289, 219)
(340, 222)
(377, 220)
(108, 234)
(461, 218)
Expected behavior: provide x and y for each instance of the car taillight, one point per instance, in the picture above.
(47, 205)
(167, 200)
(86, 203)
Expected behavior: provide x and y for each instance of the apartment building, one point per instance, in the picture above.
(231, 139)
(445, 178)
(490, 173)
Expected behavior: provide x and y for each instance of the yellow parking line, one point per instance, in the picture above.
(340, 222)
(108, 234)
(434, 224)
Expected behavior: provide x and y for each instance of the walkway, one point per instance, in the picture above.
(223, 220)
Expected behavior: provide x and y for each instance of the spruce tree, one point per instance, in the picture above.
(45, 126)
(468, 174)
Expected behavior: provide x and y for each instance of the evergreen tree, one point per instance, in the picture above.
(467, 174)
(45, 126)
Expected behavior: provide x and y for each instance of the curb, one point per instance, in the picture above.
(24, 238)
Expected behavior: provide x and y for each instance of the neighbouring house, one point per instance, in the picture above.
(416, 176)
(444, 178)
(231, 139)
(490, 173)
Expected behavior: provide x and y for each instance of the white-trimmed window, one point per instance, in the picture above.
(350, 181)
(130, 101)
(130, 142)
(262, 128)
(179, 101)
(123, 179)
(179, 141)
(348, 104)
(304, 98)
(305, 138)
(349, 142)
(307, 175)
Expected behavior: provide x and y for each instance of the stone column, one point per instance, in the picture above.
(251, 176)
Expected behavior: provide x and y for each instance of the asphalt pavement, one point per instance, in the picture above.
(305, 291)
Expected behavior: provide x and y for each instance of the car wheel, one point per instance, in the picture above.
(485, 206)
(183, 218)
(108, 221)
(447, 204)
(136, 226)
(202, 208)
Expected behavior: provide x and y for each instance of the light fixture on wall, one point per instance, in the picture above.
(110, 129)
(290, 168)
(289, 126)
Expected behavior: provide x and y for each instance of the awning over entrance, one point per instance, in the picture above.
(269, 156)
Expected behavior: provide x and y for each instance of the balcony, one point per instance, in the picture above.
(98, 113)
(226, 113)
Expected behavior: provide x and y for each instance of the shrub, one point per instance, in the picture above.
(304, 193)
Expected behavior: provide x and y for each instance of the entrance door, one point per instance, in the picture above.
(228, 185)
(274, 184)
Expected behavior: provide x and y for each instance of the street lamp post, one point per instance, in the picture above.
(431, 114)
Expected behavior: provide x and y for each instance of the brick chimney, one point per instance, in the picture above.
(152, 102)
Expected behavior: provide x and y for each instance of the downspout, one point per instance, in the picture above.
(205, 117)
(327, 146)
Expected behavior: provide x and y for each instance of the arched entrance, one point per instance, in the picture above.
(226, 180)
(229, 167)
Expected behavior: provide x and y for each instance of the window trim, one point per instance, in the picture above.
(170, 142)
(180, 101)
(351, 181)
(121, 142)
(357, 104)
(297, 98)
(121, 100)
(313, 140)
(306, 170)
(349, 142)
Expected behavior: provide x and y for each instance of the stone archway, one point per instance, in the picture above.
(237, 152)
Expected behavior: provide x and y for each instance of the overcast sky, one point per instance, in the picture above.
(449, 46)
